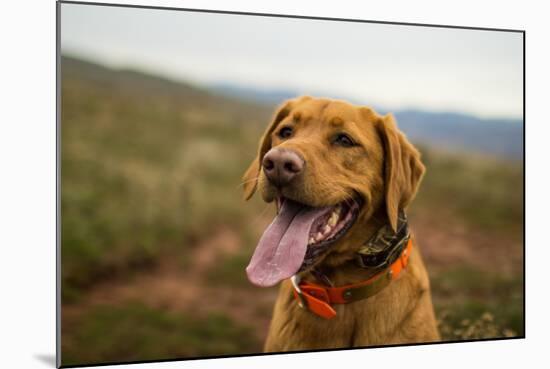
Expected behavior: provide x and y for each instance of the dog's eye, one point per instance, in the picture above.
(343, 140)
(285, 132)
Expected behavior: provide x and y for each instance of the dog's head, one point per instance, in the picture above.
(330, 166)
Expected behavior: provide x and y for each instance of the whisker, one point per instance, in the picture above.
(249, 180)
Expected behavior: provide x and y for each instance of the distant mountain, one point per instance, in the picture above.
(267, 96)
(502, 137)
(270, 96)
(140, 81)
(148, 86)
(445, 130)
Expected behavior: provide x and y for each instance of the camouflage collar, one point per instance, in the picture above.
(382, 249)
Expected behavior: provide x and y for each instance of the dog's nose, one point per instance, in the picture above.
(282, 165)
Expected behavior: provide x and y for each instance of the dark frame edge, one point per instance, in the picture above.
(58, 183)
(524, 193)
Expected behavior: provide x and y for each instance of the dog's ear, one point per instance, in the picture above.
(402, 166)
(250, 177)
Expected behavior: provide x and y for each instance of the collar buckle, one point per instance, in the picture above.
(314, 300)
(302, 301)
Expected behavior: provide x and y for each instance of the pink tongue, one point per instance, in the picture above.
(283, 245)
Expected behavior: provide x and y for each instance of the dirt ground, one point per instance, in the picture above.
(445, 242)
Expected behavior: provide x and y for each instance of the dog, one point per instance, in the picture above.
(351, 273)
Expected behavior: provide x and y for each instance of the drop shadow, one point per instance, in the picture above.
(48, 359)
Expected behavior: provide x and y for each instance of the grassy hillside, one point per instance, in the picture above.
(155, 235)
(147, 164)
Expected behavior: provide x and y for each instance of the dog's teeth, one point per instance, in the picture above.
(326, 230)
(311, 240)
(333, 220)
(319, 236)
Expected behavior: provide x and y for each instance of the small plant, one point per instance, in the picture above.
(467, 329)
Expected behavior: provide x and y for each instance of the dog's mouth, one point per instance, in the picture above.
(297, 237)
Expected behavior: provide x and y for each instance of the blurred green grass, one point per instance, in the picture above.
(135, 332)
(231, 271)
(485, 192)
(151, 167)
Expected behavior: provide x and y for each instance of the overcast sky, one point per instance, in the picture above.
(478, 72)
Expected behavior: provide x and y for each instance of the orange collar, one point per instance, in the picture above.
(318, 299)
